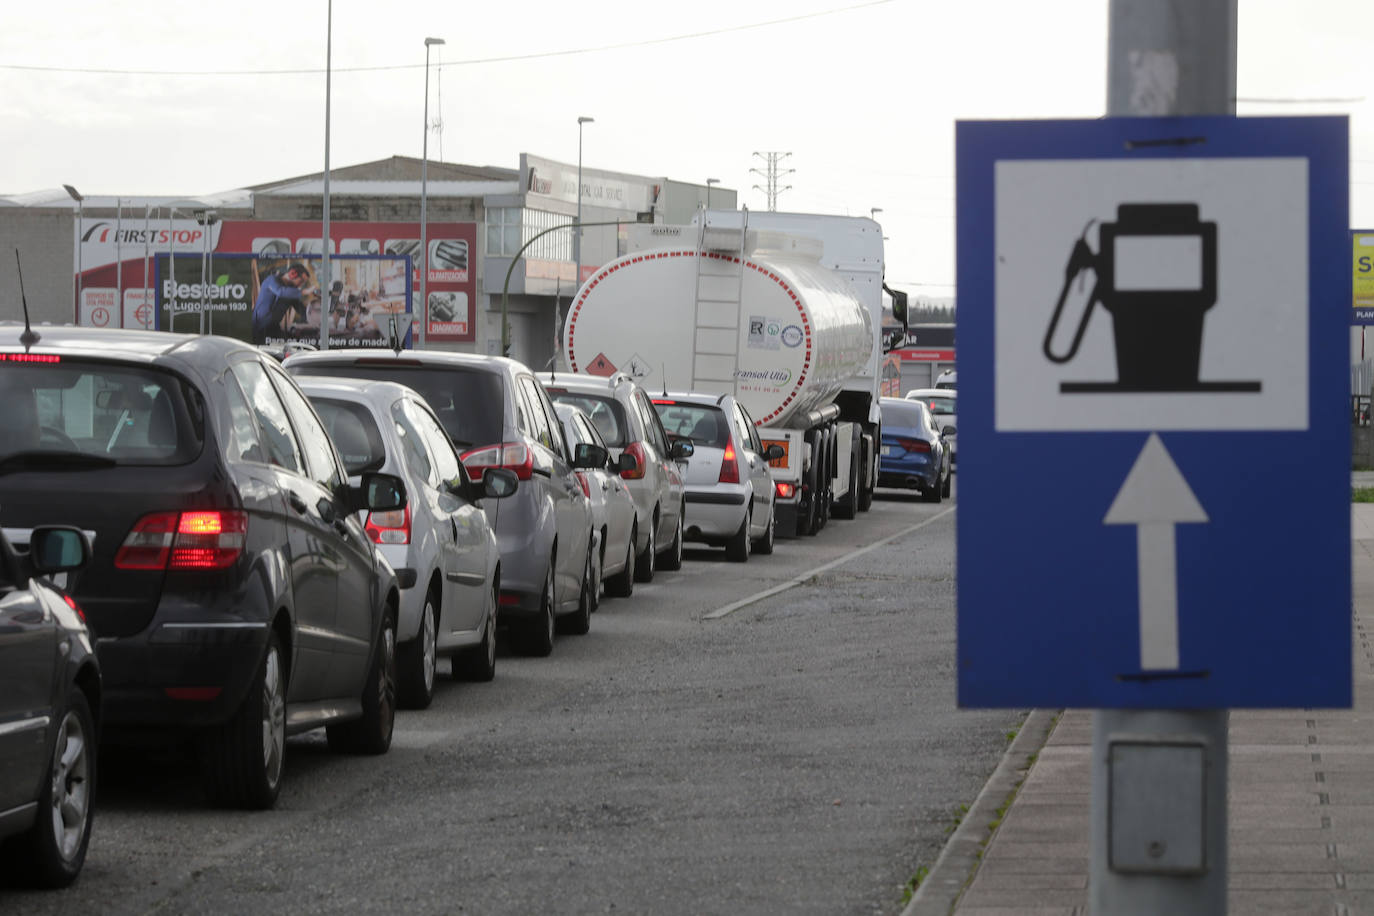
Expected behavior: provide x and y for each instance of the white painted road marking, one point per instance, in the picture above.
(811, 574)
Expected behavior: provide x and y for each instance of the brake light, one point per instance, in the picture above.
(641, 457)
(665, 402)
(71, 603)
(729, 467)
(205, 539)
(513, 456)
(390, 527)
(586, 487)
(30, 358)
(785, 490)
(913, 445)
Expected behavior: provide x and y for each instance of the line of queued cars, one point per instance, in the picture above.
(205, 543)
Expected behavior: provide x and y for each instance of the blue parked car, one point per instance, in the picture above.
(915, 451)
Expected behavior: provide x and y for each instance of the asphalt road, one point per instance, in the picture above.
(798, 754)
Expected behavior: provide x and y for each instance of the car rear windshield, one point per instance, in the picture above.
(469, 403)
(108, 412)
(354, 432)
(941, 407)
(605, 412)
(704, 424)
(910, 416)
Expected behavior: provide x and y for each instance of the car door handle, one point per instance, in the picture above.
(297, 502)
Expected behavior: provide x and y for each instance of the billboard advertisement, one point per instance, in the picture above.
(274, 299)
(116, 257)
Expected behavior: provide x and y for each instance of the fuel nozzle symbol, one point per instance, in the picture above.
(1156, 273)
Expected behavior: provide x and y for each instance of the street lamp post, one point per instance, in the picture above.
(577, 233)
(327, 245)
(80, 201)
(873, 212)
(709, 182)
(424, 229)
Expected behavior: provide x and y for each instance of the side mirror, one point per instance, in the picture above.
(682, 448)
(499, 483)
(627, 462)
(57, 549)
(589, 455)
(774, 452)
(377, 493)
(948, 431)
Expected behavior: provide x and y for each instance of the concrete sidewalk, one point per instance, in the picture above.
(1300, 816)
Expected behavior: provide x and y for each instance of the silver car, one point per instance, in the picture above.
(730, 493)
(624, 415)
(613, 508)
(445, 554)
(498, 416)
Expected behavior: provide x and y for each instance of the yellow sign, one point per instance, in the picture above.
(1363, 285)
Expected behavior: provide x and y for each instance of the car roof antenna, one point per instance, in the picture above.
(395, 337)
(664, 367)
(28, 338)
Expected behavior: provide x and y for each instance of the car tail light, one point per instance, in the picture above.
(729, 467)
(205, 539)
(586, 486)
(785, 489)
(391, 527)
(913, 445)
(641, 461)
(71, 603)
(513, 456)
(664, 402)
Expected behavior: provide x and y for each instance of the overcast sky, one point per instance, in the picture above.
(862, 93)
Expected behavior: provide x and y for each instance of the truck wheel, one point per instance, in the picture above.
(866, 483)
(848, 507)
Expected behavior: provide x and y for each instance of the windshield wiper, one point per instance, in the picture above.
(53, 460)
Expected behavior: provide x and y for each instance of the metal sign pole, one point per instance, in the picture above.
(1159, 777)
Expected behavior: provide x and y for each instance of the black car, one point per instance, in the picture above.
(234, 596)
(49, 712)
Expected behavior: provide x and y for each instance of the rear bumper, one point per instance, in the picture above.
(714, 515)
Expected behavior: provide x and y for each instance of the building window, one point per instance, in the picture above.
(510, 227)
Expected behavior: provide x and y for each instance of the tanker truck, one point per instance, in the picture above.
(781, 310)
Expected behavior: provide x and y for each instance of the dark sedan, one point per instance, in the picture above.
(234, 596)
(915, 452)
(49, 712)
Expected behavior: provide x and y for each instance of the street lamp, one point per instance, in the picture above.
(577, 235)
(424, 188)
(709, 182)
(76, 196)
(326, 236)
(873, 212)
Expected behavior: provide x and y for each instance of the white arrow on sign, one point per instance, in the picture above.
(1155, 497)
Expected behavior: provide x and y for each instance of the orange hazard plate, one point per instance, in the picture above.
(777, 462)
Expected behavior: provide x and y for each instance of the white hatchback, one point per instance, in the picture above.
(443, 550)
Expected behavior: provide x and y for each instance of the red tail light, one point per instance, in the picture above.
(641, 461)
(391, 527)
(785, 490)
(913, 445)
(586, 486)
(71, 603)
(513, 456)
(729, 467)
(207, 539)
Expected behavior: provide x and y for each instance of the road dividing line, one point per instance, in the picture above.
(811, 574)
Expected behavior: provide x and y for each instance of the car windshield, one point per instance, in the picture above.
(354, 432)
(909, 415)
(704, 424)
(468, 402)
(606, 413)
(94, 414)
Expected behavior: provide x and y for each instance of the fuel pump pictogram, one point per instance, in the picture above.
(1156, 273)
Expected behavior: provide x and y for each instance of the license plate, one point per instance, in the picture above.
(889, 451)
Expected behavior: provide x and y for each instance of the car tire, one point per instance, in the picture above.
(372, 733)
(580, 621)
(599, 570)
(949, 484)
(932, 495)
(51, 852)
(242, 760)
(672, 557)
(622, 584)
(644, 563)
(737, 547)
(866, 486)
(535, 637)
(417, 659)
(479, 662)
(764, 545)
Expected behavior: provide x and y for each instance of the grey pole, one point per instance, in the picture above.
(325, 281)
(119, 262)
(147, 252)
(709, 182)
(1159, 777)
(424, 226)
(577, 233)
(80, 227)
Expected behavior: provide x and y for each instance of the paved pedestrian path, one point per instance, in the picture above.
(1300, 817)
